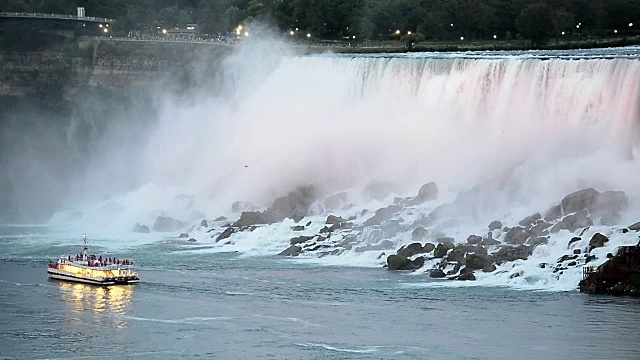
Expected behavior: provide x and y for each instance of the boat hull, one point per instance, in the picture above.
(60, 275)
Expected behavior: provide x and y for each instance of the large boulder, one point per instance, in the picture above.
(399, 262)
(334, 220)
(226, 233)
(620, 275)
(456, 255)
(293, 250)
(554, 213)
(466, 275)
(299, 239)
(437, 274)
(382, 214)
(495, 225)
(530, 220)
(516, 236)
(477, 262)
(442, 249)
(167, 224)
(474, 239)
(610, 202)
(582, 199)
(411, 249)
(294, 206)
(573, 222)
(204, 223)
(635, 227)
(511, 253)
(428, 247)
(143, 229)
(427, 192)
(598, 240)
(249, 218)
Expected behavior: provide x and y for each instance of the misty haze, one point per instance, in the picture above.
(292, 180)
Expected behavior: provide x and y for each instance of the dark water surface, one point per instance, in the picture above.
(225, 306)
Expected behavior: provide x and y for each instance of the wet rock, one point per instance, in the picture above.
(589, 258)
(540, 229)
(512, 253)
(610, 202)
(398, 262)
(249, 218)
(567, 258)
(292, 250)
(300, 239)
(456, 255)
(477, 262)
(226, 233)
(495, 225)
(516, 236)
(442, 249)
(143, 229)
(382, 214)
(418, 234)
(298, 228)
(489, 268)
(573, 240)
(293, 206)
(489, 241)
(530, 220)
(620, 275)
(192, 240)
(220, 218)
(577, 251)
(455, 270)
(466, 276)
(572, 263)
(573, 222)
(540, 240)
(635, 227)
(447, 240)
(598, 240)
(426, 193)
(474, 239)
(166, 224)
(428, 247)
(204, 223)
(334, 220)
(437, 274)
(183, 236)
(411, 249)
(325, 230)
(417, 263)
(554, 213)
(579, 200)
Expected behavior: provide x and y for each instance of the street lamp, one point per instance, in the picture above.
(461, 38)
(246, 33)
(292, 32)
(495, 36)
(563, 33)
(354, 37)
(308, 35)
(99, 25)
(615, 31)
(408, 32)
(630, 24)
(240, 27)
(164, 31)
(105, 30)
(397, 32)
(451, 24)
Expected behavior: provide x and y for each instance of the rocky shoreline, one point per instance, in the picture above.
(387, 231)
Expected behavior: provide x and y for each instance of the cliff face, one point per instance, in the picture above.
(100, 64)
(618, 276)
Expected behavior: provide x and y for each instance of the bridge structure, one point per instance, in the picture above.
(59, 18)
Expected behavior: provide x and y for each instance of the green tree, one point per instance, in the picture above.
(534, 22)
(410, 40)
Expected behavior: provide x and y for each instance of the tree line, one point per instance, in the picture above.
(365, 19)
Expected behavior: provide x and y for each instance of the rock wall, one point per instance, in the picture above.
(618, 276)
(99, 63)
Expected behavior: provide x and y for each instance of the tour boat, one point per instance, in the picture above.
(92, 269)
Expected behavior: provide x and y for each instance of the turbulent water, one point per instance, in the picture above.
(521, 130)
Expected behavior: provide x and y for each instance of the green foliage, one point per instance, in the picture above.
(366, 19)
